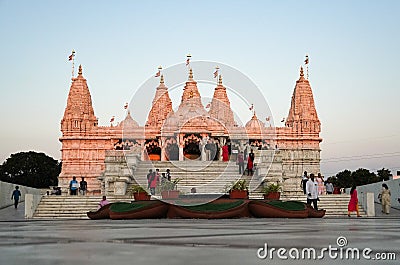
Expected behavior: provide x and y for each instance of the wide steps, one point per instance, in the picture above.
(71, 207)
(334, 204)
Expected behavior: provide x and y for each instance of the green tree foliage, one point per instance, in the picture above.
(362, 176)
(384, 174)
(30, 169)
(342, 179)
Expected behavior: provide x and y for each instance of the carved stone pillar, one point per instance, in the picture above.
(181, 143)
(163, 146)
(203, 142)
(142, 147)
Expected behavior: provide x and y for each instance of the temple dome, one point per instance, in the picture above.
(255, 125)
(187, 113)
(128, 122)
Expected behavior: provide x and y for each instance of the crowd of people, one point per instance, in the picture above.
(154, 178)
(314, 186)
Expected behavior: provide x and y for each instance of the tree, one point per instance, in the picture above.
(343, 179)
(384, 174)
(31, 169)
(362, 176)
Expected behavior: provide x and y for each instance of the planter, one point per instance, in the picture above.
(170, 194)
(141, 196)
(239, 194)
(273, 195)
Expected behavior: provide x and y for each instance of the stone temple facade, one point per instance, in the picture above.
(184, 134)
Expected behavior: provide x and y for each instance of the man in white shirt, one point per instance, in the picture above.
(312, 191)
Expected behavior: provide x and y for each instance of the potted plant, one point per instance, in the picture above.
(272, 191)
(239, 190)
(169, 189)
(139, 193)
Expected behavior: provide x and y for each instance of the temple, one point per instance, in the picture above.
(191, 132)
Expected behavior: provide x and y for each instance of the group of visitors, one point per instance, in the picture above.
(74, 186)
(315, 186)
(324, 187)
(241, 158)
(384, 198)
(154, 178)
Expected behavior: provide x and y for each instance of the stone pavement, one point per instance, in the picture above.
(180, 241)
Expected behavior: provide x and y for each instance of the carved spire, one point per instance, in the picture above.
(161, 106)
(302, 115)
(220, 108)
(78, 114)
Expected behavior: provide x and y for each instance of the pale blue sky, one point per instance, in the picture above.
(353, 49)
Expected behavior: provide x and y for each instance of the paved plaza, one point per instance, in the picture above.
(190, 241)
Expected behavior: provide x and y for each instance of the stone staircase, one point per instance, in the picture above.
(205, 176)
(71, 207)
(334, 204)
(75, 207)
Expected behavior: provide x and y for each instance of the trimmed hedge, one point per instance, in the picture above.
(288, 205)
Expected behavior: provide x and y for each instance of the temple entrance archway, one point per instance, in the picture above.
(191, 149)
(171, 150)
(153, 150)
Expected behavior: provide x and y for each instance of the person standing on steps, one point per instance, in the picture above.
(240, 162)
(353, 203)
(312, 192)
(16, 195)
(250, 163)
(83, 186)
(304, 180)
(225, 153)
(168, 174)
(73, 186)
(329, 187)
(152, 180)
(321, 184)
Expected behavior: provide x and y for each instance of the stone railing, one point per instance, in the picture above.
(119, 169)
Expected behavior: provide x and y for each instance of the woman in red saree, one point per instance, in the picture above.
(353, 203)
(225, 153)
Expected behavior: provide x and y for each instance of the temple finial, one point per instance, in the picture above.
(190, 74)
(162, 79)
(220, 80)
(80, 70)
(301, 71)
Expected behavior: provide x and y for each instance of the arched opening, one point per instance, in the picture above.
(172, 150)
(191, 149)
(153, 150)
